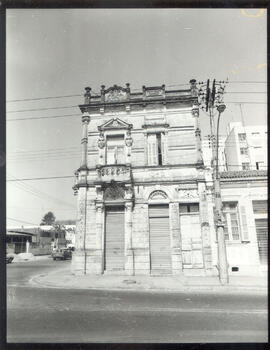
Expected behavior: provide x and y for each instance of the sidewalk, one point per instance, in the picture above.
(24, 257)
(62, 278)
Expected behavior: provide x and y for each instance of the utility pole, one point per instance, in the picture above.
(211, 100)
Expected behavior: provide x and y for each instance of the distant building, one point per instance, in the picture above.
(16, 240)
(246, 147)
(39, 237)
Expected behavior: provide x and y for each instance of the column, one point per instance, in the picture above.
(99, 261)
(129, 262)
(84, 142)
(175, 239)
(78, 263)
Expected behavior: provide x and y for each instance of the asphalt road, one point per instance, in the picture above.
(38, 314)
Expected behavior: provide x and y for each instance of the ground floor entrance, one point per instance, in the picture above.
(159, 240)
(114, 242)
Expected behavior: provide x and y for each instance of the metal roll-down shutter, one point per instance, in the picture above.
(160, 243)
(114, 239)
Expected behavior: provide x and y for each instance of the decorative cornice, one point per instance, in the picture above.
(117, 95)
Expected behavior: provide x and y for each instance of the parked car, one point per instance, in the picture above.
(9, 258)
(62, 254)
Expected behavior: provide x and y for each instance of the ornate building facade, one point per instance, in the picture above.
(144, 201)
(145, 198)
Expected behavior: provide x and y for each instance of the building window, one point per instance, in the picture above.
(231, 227)
(115, 149)
(189, 208)
(245, 166)
(259, 165)
(255, 133)
(242, 137)
(259, 207)
(155, 149)
(243, 150)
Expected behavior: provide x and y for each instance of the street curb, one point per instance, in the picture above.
(36, 280)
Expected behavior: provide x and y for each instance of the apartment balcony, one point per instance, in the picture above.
(120, 173)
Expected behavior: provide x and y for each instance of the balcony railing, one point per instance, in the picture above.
(115, 172)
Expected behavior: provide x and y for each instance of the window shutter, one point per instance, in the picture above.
(244, 223)
(259, 207)
(152, 149)
(163, 148)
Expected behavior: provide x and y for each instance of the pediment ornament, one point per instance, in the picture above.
(115, 93)
(115, 123)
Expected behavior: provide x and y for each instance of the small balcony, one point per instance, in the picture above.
(114, 172)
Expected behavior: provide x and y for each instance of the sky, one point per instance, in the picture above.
(58, 52)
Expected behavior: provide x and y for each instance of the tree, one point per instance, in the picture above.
(48, 219)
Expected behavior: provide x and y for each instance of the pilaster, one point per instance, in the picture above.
(99, 237)
(175, 239)
(84, 142)
(129, 255)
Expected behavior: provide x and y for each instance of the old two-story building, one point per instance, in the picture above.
(144, 200)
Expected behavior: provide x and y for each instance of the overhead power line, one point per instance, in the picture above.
(38, 193)
(247, 82)
(245, 92)
(43, 98)
(135, 89)
(246, 102)
(41, 178)
(41, 109)
(46, 117)
(26, 222)
(77, 115)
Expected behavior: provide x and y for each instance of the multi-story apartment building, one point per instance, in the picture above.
(144, 201)
(246, 147)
